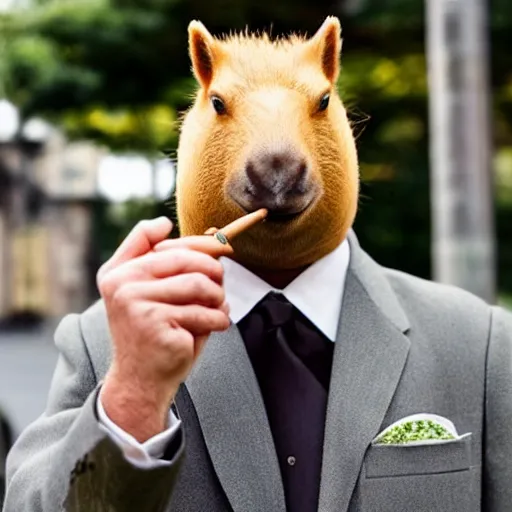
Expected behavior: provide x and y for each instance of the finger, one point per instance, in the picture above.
(183, 289)
(207, 244)
(140, 240)
(166, 264)
(199, 320)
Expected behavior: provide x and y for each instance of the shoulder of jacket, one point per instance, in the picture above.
(96, 336)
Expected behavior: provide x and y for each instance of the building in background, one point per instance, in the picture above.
(50, 189)
(67, 175)
(47, 191)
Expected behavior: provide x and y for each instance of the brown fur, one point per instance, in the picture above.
(271, 91)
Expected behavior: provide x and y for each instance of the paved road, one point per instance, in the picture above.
(27, 361)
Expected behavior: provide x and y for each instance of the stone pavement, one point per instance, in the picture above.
(27, 361)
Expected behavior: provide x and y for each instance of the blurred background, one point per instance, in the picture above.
(90, 95)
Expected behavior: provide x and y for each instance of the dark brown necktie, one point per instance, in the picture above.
(292, 360)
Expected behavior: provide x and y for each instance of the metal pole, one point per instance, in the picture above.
(460, 149)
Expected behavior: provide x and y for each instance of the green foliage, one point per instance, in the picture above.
(506, 301)
(393, 14)
(118, 72)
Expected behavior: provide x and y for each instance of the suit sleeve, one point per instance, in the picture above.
(497, 470)
(66, 461)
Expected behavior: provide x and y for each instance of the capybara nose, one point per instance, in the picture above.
(274, 175)
(278, 179)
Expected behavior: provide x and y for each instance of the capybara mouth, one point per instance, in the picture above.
(277, 216)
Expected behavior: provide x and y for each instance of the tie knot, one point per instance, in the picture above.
(276, 309)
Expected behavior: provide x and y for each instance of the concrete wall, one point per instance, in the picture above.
(3, 264)
(69, 226)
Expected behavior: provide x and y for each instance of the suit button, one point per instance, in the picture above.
(291, 460)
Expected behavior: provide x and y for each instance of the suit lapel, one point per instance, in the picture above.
(369, 357)
(233, 420)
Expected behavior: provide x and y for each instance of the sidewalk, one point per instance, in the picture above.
(27, 361)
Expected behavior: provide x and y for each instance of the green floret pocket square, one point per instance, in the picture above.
(419, 429)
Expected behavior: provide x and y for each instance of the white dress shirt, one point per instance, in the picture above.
(317, 293)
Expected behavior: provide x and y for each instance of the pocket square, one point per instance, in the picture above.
(418, 429)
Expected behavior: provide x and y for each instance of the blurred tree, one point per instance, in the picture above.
(117, 71)
(106, 68)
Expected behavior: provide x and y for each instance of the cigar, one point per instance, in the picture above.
(238, 226)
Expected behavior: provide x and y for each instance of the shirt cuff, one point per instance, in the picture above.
(146, 455)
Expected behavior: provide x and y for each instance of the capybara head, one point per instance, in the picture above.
(268, 129)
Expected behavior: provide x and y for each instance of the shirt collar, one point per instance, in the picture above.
(317, 292)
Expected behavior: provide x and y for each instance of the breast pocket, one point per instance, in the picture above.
(424, 478)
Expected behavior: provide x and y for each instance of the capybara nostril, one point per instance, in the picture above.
(274, 173)
(255, 177)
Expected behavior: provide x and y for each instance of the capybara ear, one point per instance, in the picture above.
(202, 51)
(326, 47)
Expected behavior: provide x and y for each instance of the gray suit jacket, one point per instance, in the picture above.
(404, 346)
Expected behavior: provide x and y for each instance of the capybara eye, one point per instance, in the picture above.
(218, 105)
(324, 102)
